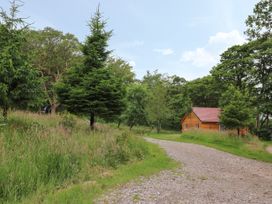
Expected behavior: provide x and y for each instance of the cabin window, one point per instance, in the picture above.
(197, 125)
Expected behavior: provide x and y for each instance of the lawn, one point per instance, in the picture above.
(249, 146)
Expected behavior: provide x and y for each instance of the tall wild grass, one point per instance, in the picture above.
(49, 152)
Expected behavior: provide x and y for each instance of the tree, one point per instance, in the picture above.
(92, 89)
(203, 92)
(19, 84)
(234, 68)
(237, 111)
(157, 107)
(178, 101)
(179, 105)
(136, 99)
(121, 69)
(52, 53)
(261, 79)
(259, 25)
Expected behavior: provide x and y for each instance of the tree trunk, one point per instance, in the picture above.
(53, 108)
(158, 127)
(267, 120)
(5, 113)
(258, 121)
(92, 120)
(119, 123)
(238, 131)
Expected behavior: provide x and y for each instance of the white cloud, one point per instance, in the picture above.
(209, 55)
(167, 51)
(199, 57)
(229, 38)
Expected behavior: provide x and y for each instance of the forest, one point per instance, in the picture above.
(52, 72)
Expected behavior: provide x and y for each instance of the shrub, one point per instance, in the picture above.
(265, 134)
(68, 121)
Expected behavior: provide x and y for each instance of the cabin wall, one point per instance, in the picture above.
(190, 121)
(210, 126)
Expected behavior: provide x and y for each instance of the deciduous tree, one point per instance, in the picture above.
(52, 53)
(136, 99)
(259, 24)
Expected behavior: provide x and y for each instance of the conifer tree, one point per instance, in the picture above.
(18, 80)
(92, 89)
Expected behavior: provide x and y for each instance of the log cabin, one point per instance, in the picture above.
(201, 118)
(205, 119)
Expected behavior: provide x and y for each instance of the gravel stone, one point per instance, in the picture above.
(206, 176)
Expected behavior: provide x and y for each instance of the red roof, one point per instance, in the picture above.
(207, 114)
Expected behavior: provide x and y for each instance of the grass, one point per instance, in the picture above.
(87, 192)
(248, 146)
(58, 159)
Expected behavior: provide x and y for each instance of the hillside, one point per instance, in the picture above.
(43, 155)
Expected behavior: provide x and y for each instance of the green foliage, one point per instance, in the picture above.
(259, 24)
(234, 68)
(156, 107)
(52, 53)
(265, 133)
(156, 161)
(203, 92)
(136, 98)
(261, 75)
(121, 69)
(178, 102)
(19, 85)
(95, 48)
(237, 111)
(93, 89)
(37, 153)
(68, 121)
(97, 92)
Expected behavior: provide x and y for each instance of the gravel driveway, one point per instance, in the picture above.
(206, 176)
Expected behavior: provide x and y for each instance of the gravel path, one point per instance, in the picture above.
(206, 176)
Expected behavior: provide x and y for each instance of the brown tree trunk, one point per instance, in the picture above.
(238, 131)
(158, 127)
(92, 120)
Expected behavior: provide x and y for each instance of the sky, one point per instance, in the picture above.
(181, 37)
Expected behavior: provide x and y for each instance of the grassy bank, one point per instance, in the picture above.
(53, 159)
(249, 147)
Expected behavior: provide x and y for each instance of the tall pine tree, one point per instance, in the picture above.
(92, 89)
(18, 80)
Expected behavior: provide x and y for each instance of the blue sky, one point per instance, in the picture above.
(182, 37)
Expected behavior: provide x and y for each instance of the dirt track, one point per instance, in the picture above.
(207, 176)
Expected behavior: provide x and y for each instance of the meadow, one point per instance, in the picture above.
(56, 158)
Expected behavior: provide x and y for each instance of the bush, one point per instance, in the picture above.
(265, 134)
(68, 121)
